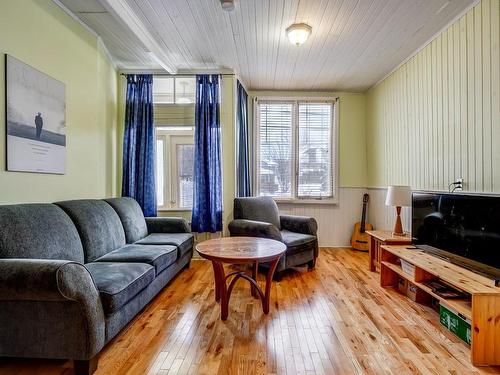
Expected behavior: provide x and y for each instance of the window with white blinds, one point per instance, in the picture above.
(296, 154)
(275, 151)
(315, 177)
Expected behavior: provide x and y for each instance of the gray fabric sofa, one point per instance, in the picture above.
(259, 217)
(74, 273)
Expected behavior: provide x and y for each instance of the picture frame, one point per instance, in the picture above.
(35, 120)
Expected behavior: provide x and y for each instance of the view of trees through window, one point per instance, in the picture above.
(185, 168)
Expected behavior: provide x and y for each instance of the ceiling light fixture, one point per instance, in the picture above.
(298, 33)
(227, 5)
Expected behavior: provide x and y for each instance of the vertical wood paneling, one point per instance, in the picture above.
(495, 91)
(437, 117)
(335, 223)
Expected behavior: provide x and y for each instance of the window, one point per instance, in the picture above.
(173, 99)
(296, 149)
(174, 90)
(174, 167)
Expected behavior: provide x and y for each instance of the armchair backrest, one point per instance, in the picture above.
(257, 208)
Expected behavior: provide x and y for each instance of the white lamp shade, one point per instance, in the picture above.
(398, 196)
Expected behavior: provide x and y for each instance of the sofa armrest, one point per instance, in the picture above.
(167, 225)
(252, 228)
(40, 282)
(299, 224)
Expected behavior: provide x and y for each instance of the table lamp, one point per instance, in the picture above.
(398, 196)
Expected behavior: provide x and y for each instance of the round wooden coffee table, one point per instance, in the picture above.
(241, 250)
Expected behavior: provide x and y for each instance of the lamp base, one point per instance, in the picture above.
(398, 227)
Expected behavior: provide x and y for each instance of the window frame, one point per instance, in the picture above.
(174, 92)
(171, 138)
(295, 199)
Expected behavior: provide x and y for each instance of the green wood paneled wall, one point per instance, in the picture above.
(437, 117)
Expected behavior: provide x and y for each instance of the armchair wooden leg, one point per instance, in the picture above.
(85, 367)
(311, 264)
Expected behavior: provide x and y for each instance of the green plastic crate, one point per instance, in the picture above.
(455, 323)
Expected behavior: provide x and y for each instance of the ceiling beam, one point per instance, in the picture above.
(124, 14)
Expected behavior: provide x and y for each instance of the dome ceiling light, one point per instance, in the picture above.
(298, 33)
(227, 5)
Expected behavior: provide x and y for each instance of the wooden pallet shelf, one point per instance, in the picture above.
(483, 309)
(464, 307)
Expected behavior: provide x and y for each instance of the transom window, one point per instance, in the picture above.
(296, 142)
(174, 90)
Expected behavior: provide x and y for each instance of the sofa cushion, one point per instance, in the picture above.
(118, 283)
(258, 209)
(296, 239)
(184, 241)
(297, 242)
(158, 256)
(132, 218)
(99, 226)
(42, 231)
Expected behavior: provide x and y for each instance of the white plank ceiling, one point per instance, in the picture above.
(354, 43)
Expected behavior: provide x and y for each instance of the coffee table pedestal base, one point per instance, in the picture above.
(223, 291)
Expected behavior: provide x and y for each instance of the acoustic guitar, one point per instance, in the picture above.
(360, 239)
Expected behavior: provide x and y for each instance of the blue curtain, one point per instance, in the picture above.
(138, 179)
(207, 194)
(243, 188)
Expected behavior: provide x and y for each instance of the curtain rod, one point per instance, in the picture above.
(182, 75)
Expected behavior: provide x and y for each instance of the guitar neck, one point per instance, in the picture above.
(363, 219)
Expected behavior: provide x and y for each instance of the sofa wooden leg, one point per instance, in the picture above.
(311, 264)
(187, 265)
(85, 367)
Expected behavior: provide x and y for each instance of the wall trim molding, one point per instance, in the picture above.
(91, 31)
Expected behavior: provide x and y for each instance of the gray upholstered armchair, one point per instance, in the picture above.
(259, 217)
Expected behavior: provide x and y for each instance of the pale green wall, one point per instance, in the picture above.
(352, 140)
(437, 117)
(40, 34)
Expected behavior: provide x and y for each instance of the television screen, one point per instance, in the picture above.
(464, 225)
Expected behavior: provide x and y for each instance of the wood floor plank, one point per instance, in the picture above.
(333, 320)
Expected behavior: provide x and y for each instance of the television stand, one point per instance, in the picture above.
(483, 309)
(493, 274)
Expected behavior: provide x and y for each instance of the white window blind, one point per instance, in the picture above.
(275, 149)
(315, 177)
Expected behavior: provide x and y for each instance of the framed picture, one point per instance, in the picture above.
(35, 120)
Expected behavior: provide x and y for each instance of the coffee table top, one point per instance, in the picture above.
(241, 249)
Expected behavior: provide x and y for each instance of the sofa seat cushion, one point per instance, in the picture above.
(184, 241)
(158, 256)
(297, 242)
(118, 283)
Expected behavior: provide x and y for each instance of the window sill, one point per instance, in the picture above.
(174, 209)
(331, 202)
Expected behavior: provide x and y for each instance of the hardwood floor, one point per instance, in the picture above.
(334, 320)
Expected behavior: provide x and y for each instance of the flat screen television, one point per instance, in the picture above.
(461, 228)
